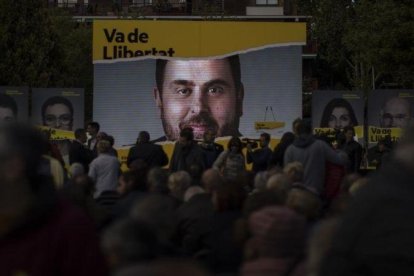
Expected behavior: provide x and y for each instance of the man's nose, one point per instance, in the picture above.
(199, 102)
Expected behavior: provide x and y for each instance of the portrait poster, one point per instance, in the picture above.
(57, 102)
(332, 110)
(16, 101)
(389, 113)
(59, 111)
(238, 78)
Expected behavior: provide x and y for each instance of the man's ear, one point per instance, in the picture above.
(157, 98)
(240, 97)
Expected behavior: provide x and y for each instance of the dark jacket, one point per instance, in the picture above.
(211, 152)
(192, 226)
(78, 153)
(186, 157)
(354, 151)
(260, 158)
(150, 153)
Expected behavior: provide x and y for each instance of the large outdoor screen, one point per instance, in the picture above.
(236, 78)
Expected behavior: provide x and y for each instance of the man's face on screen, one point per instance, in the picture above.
(396, 113)
(200, 94)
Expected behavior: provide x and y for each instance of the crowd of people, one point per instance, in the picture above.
(303, 208)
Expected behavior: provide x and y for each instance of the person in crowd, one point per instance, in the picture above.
(112, 150)
(192, 222)
(57, 112)
(260, 157)
(129, 242)
(104, 169)
(305, 202)
(231, 162)
(178, 183)
(279, 152)
(277, 243)
(211, 149)
(93, 129)
(157, 181)
(164, 267)
(320, 243)
(8, 108)
(281, 184)
(295, 172)
(338, 113)
(147, 151)
(225, 254)
(375, 233)
(80, 192)
(40, 233)
(187, 153)
(379, 154)
(353, 149)
(313, 154)
(53, 149)
(132, 188)
(158, 211)
(396, 112)
(209, 101)
(78, 152)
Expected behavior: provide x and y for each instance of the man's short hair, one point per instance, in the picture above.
(234, 62)
(56, 100)
(95, 125)
(79, 132)
(103, 146)
(266, 136)
(187, 133)
(8, 102)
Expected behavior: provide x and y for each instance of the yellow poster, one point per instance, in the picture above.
(376, 134)
(114, 40)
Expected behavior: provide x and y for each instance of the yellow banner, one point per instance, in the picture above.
(114, 40)
(331, 132)
(58, 134)
(376, 134)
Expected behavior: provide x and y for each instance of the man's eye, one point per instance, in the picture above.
(215, 90)
(184, 91)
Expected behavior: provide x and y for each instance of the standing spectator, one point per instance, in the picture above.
(92, 129)
(187, 154)
(231, 162)
(153, 155)
(353, 149)
(104, 169)
(211, 150)
(279, 151)
(260, 157)
(313, 155)
(78, 153)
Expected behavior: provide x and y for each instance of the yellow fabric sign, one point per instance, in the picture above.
(114, 40)
(376, 134)
(58, 134)
(331, 132)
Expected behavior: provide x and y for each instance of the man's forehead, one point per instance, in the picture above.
(397, 105)
(197, 69)
(57, 108)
